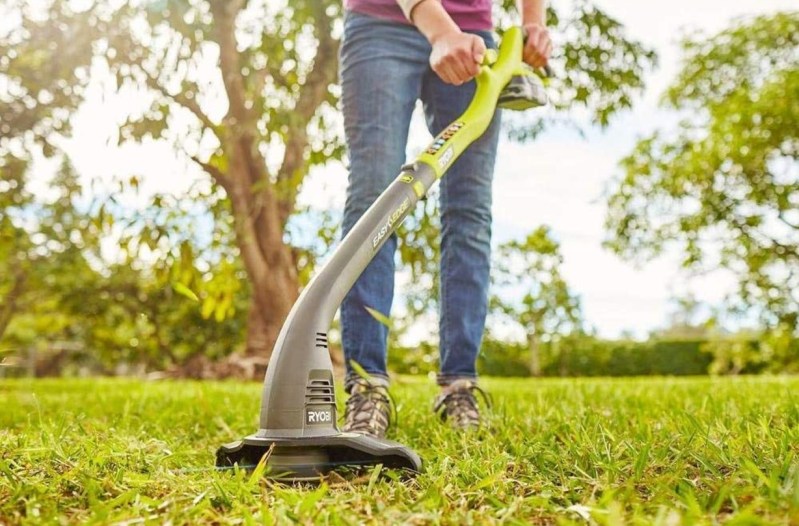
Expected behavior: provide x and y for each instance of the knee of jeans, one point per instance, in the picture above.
(469, 226)
(376, 152)
(467, 216)
(372, 169)
(357, 203)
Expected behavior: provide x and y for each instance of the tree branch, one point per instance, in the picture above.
(182, 100)
(224, 13)
(218, 175)
(312, 94)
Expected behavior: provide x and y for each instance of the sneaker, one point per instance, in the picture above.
(458, 405)
(368, 410)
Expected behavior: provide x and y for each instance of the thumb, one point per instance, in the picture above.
(478, 49)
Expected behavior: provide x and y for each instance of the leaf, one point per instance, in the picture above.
(379, 316)
(374, 477)
(360, 371)
(208, 308)
(185, 291)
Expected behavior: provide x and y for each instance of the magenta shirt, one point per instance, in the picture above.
(474, 15)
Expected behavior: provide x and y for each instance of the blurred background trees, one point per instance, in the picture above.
(245, 92)
(724, 185)
(529, 291)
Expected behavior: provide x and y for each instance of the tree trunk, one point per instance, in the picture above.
(259, 333)
(9, 306)
(535, 354)
(262, 202)
(563, 354)
(267, 260)
(263, 326)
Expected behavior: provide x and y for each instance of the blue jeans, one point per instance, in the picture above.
(384, 70)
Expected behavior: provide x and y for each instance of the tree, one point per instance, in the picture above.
(531, 292)
(40, 240)
(687, 321)
(14, 241)
(42, 72)
(273, 66)
(59, 294)
(723, 186)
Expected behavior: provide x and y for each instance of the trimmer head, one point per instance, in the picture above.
(306, 459)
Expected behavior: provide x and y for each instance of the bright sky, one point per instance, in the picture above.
(557, 180)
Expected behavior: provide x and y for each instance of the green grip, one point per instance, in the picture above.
(497, 70)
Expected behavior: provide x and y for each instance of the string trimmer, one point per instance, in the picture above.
(298, 428)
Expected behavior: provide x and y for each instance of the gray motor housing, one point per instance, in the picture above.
(298, 404)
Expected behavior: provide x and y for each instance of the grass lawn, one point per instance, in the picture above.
(640, 451)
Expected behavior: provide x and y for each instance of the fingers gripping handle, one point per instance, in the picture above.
(547, 70)
(489, 57)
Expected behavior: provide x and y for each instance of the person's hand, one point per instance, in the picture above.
(457, 56)
(538, 47)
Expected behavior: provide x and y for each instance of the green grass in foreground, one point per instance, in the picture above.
(642, 451)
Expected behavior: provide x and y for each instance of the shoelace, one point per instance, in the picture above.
(461, 401)
(366, 402)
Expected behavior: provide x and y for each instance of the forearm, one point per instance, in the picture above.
(432, 20)
(533, 11)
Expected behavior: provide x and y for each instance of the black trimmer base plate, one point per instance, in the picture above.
(305, 459)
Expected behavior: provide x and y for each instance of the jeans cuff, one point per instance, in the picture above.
(446, 379)
(352, 378)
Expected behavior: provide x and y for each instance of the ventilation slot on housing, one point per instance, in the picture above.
(321, 340)
(320, 392)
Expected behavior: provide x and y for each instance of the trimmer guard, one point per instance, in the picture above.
(298, 459)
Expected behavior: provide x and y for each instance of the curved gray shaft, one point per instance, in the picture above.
(297, 401)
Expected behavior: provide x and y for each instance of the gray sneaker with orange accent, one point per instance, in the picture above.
(368, 410)
(457, 404)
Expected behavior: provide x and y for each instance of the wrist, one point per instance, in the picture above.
(436, 36)
(432, 20)
(533, 20)
(533, 12)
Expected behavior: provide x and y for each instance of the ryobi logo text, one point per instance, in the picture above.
(392, 218)
(446, 157)
(321, 416)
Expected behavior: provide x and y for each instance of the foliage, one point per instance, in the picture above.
(723, 186)
(245, 91)
(178, 274)
(595, 357)
(776, 351)
(781, 351)
(649, 451)
(581, 355)
(46, 247)
(530, 291)
(271, 66)
(68, 301)
(599, 68)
